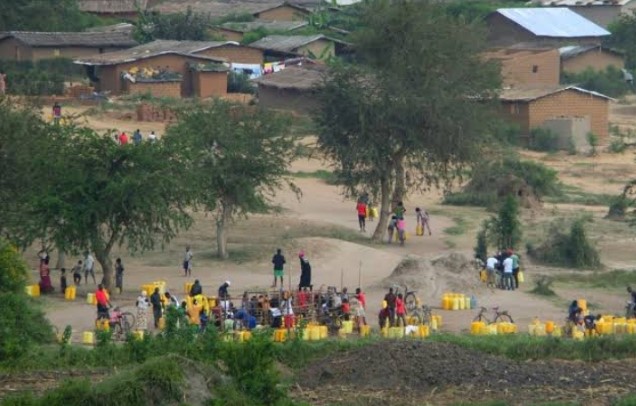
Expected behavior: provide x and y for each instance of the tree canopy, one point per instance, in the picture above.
(179, 26)
(44, 15)
(623, 33)
(237, 157)
(409, 116)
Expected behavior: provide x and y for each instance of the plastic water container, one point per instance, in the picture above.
(314, 333)
(582, 303)
(462, 302)
(384, 332)
(396, 332)
(467, 302)
(434, 325)
(138, 334)
(455, 303)
(70, 293)
(102, 325)
(492, 329)
(162, 323)
(324, 332)
(88, 338)
(187, 287)
(473, 302)
(631, 328)
(33, 290)
(423, 331)
(365, 331)
(438, 319)
(605, 327)
(90, 299)
(347, 325)
(149, 288)
(477, 327)
(244, 336)
(578, 335)
(549, 327)
(620, 328)
(280, 335)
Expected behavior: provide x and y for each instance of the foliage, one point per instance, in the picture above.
(13, 270)
(543, 286)
(592, 139)
(485, 176)
(254, 35)
(22, 326)
(373, 120)
(44, 77)
(623, 31)
(481, 246)
(572, 249)
(543, 139)
(504, 231)
(477, 10)
(609, 81)
(617, 278)
(619, 205)
(237, 156)
(44, 15)
(239, 82)
(617, 146)
(190, 26)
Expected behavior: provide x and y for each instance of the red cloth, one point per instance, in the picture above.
(362, 209)
(346, 308)
(399, 306)
(101, 297)
(362, 299)
(123, 139)
(289, 321)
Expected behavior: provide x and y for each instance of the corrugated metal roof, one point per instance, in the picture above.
(530, 93)
(72, 39)
(285, 43)
(584, 3)
(574, 50)
(266, 25)
(159, 47)
(557, 22)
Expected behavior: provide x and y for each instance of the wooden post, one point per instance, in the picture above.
(360, 275)
(341, 278)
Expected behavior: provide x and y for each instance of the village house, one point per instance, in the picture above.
(543, 26)
(578, 58)
(562, 107)
(293, 10)
(291, 88)
(33, 46)
(236, 31)
(127, 9)
(601, 12)
(283, 12)
(162, 68)
(527, 66)
(313, 46)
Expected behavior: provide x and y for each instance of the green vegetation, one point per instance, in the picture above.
(544, 140)
(504, 231)
(459, 228)
(618, 278)
(238, 82)
(609, 82)
(622, 38)
(44, 77)
(44, 15)
(575, 195)
(191, 26)
(571, 249)
(321, 174)
(543, 286)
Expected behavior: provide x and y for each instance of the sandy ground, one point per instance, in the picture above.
(336, 262)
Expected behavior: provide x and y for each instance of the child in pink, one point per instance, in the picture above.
(400, 310)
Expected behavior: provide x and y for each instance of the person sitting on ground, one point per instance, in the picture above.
(223, 291)
(196, 288)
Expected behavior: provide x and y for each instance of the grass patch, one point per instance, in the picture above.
(575, 195)
(328, 176)
(619, 278)
(460, 227)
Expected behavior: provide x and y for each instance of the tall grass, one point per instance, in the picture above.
(619, 278)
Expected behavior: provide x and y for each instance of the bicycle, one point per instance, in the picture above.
(410, 299)
(500, 316)
(422, 314)
(121, 324)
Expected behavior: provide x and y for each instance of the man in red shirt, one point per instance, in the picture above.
(361, 208)
(362, 298)
(103, 303)
(123, 138)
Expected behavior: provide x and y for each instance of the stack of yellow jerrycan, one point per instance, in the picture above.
(70, 293)
(457, 301)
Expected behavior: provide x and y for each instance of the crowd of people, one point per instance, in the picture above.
(502, 270)
(136, 138)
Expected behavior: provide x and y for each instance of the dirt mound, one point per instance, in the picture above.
(420, 366)
(451, 272)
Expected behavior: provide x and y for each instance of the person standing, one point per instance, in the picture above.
(77, 273)
(123, 138)
(119, 275)
(515, 268)
(57, 112)
(45, 277)
(152, 137)
(196, 289)
(137, 137)
(187, 261)
(279, 263)
(361, 208)
(103, 303)
(305, 272)
(223, 291)
(391, 228)
(89, 267)
(422, 217)
(508, 283)
(142, 305)
(400, 310)
(63, 284)
(401, 230)
(362, 298)
(491, 269)
(155, 300)
(399, 210)
(390, 299)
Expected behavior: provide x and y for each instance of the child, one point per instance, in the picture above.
(77, 273)
(401, 225)
(346, 309)
(400, 310)
(391, 228)
(63, 280)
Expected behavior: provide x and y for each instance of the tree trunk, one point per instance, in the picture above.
(400, 181)
(103, 257)
(61, 259)
(385, 209)
(221, 237)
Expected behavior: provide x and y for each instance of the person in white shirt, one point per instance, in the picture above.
(508, 283)
(491, 266)
(89, 267)
(152, 137)
(187, 262)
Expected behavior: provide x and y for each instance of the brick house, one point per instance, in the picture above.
(531, 107)
(577, 58)
(291, 89)
(527, 66)
(33, 46)
(236, 31)
(544, 26)
(601, 12)
(313, 46)
(127, 9)
(283, 12)
(107, 71)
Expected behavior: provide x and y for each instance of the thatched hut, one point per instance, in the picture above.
(292, 88)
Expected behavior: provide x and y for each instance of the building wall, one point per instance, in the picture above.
(517, 113)
(601, 15)
(157, 89)
(209, 84)
(537, 69)
(322, 49)
(286, 99)
(234, 53)
(503, 32)
(12, 49)
(282, 13)
(596, 59)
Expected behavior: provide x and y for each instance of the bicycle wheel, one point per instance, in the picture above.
(118, 332)
(127, 322)
(503, 317)
(410, 301)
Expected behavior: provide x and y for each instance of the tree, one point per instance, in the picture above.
(238, 157)
(505, 230)
(410, 116)
(179, 26)
(90, 193)
(623, 33)
(44, 15)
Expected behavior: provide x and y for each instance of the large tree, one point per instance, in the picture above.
(44, 15)
(89, 193)
(414, 110)
(238, 158)
(623, 33)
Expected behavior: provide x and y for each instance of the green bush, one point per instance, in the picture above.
(44, 77)
(609, 82)
(239, 83)
(617, 146)
(571, 249)
(13, 270)
(22, 326)
(544, 140)
(481, 247)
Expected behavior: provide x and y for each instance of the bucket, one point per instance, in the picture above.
(70, 293)
(90, 299)
(88, 338)
(582, 303)
(477, 327)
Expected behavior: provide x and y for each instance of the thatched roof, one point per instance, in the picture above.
(112, 6)
(72, 39)
(527, 94)
(155, 48)
(304, 77)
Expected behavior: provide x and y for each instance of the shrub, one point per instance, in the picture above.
(571, 249)
(543, 139)
(505, 230)
(617, 146)
(618, 207)
(592, 139)
(13, 270)
(23, 326)
(239, 83)
(44, 77)
(481, 248)
(610, 82)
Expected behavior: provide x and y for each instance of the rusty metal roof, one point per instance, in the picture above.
(72, 39)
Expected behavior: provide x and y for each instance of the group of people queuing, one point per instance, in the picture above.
(136, 138)
(502, 270)
(85, 267)
(393, 310)
(578, 318)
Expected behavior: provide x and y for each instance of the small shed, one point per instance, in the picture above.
(293, 88)
(578, 58)
(530, 107)
(209, 79)
(542, 25)
(236, 31)
(314, 46)
(284, 11)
